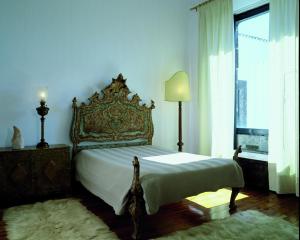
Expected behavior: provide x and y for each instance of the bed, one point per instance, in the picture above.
(114, 130)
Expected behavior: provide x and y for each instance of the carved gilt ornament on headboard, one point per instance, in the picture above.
(112, 118)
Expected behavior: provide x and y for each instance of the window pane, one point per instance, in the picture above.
(252, 72)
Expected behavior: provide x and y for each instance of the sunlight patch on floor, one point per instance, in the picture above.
(213, 199)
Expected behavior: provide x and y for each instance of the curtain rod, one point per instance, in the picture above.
(199, 4)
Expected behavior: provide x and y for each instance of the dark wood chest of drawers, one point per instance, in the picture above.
(255, 173)
(31, 174)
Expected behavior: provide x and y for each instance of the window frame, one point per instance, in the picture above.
(238, 18)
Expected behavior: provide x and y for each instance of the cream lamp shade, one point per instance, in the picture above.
(177, 88)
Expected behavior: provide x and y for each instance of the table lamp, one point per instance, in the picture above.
(177, 89)
(42, 110)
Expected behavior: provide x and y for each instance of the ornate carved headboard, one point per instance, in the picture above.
(112, 119)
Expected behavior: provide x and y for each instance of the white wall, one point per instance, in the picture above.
(238, 5)
(74, 47)
(245, 5)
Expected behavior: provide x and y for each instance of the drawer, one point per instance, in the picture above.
(15, 176)
(51, 172)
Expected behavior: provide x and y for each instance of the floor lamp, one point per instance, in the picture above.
(177, 89)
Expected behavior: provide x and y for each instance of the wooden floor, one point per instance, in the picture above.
(185, 214)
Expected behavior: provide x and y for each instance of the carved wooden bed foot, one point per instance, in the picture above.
(234, 193)
(136, 201)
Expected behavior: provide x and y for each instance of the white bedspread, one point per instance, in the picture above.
(166, 176)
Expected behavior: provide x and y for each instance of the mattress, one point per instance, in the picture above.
(165, 176)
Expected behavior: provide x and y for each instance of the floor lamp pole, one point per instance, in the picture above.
(180, 143)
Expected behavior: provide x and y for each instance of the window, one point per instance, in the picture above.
(252, 65)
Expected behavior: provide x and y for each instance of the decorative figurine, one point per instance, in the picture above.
(17, 139)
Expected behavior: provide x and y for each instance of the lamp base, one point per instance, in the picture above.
(180, 144)
(42, 145)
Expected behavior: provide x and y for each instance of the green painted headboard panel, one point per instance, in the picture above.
(112, 119)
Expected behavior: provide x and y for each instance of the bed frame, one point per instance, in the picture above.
(112, 119)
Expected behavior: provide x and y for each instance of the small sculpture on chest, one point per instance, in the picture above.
(17, 139)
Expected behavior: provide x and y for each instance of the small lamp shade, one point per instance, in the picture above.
(177, 88)
(43, 94)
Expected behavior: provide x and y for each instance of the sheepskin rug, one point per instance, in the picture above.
(67, 219)
(248, 225)
(64, 219)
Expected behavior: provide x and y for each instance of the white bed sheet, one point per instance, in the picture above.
(166, 176)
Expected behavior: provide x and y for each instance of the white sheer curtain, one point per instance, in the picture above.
(284, 96)
(216, 78)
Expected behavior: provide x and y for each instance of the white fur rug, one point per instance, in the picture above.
(248, 225)
(67, 219)
(64, 219)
